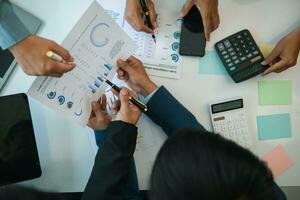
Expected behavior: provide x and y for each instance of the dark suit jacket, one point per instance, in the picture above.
(112, 164)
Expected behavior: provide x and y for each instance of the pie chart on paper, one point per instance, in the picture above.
(99, 35)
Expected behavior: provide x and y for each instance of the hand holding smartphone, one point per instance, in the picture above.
(192, 41)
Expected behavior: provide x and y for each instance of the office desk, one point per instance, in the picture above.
(67, 151)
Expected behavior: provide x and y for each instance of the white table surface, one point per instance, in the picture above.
(65, 149)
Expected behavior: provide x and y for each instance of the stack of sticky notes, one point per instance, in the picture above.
(274, 92)
(276, 126)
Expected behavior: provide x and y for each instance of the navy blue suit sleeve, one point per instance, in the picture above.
(132, 188)
(112, 163)
(99, 135)
(168, 113)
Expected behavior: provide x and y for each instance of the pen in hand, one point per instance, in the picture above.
(134, 101)
(54, 56)
(147, 16)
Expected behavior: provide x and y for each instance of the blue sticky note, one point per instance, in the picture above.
(211, 64)
(274, 126)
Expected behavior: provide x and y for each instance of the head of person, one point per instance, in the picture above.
(196, 165)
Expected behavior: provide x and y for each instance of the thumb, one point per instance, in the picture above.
(124, 99)
(125, 66)
(186, 8)
(271, 57)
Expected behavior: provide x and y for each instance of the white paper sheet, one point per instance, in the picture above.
(95, 42)
(150, 136)
(149, 141)
(160, 58)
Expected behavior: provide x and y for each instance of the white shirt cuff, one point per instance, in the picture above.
(145, 100)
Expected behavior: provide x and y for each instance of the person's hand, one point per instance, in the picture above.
(285, 54)
(133, 15)
(124, 110)
(31, 52)
(99, 118)
(133, 72)
(209, 13)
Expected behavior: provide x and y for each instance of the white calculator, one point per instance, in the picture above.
(229, 119)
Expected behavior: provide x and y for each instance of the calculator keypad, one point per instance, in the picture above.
(237, 49)
(233, 127)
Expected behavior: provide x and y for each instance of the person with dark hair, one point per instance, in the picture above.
(192, 164)
(195, 164)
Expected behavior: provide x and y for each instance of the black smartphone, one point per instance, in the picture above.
(192, 40)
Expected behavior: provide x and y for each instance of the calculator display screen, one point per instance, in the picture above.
(226, 106)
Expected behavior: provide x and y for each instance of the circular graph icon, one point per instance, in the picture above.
(61, 100)
(176, 35)
(99, 35)
(70, 104)
(51, 95)
(79, 113)
(175, 46)
(175, 57)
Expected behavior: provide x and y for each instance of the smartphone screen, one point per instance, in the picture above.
(192, 41)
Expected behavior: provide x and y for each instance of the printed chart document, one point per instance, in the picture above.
(96, 42)
(160, 58)
(158, 61)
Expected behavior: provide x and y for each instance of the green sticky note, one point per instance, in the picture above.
(274, 126)
(275, 92)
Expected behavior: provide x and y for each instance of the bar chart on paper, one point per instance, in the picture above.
(96, 42)
(86, 78)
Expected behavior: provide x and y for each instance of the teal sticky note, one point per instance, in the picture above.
(211, 64)
(274, 126)
(297, 120)
(275, 92)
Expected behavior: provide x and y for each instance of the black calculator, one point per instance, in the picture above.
(240, 56)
